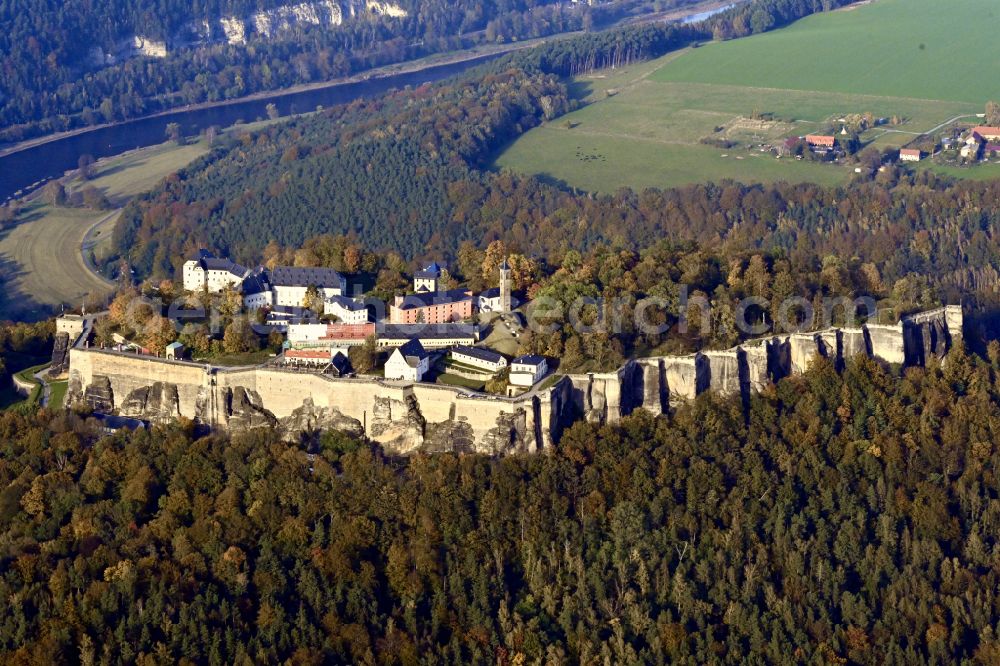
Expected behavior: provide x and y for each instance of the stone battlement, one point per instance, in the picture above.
(409, 417)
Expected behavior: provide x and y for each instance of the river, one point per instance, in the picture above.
(25, 169)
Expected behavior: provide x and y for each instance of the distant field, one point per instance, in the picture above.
(925, 49)
(642, 126)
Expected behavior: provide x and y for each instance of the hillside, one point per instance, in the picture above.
(848, 518)
(702, 114)
(74, 64)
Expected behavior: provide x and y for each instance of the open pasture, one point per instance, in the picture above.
(644, 125)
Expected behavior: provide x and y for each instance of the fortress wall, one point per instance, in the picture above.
(686, 376)
(886, 342)
(852, 343)
(954, 320)
(803, 348)
(654, 385)
(724, 371)
(830, 345)
(128, 372)
(757, 374)
(407, 417)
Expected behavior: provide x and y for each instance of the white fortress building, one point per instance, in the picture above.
(289, 284)
(210, 273)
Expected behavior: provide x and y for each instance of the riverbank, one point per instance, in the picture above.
(409, 67)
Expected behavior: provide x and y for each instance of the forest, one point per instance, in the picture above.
(51, 83)
(844, 518)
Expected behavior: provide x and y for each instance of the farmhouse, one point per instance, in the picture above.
(821, 141)
(290, 284)
(478, 357)
(909, 155)
(208, 272)
(432, 307)
(409, 362)
(986, 132)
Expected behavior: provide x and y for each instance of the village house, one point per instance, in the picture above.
(971, 148)
(478, 357)
(526, 371)
(985, 133)
(432, 307)
(909, 155)
(408, 363)
(347, 310)
(821, 142)
(210, 273)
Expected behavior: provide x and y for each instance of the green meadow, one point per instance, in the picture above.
(920, 61)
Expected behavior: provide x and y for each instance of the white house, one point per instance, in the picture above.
(478, 357)
(526, 371)
(409, 362)
(289, 284)
(347, 310)
(909, 155)
(426, 279)
(211, 273)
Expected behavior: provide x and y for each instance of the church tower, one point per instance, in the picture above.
(505, 286)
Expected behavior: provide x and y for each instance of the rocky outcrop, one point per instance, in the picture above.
(309, 419)
(99, 396)
(449, 436)
(245, 410)
(398, 424)
(508, 436)
(60, 359)
(158, 403)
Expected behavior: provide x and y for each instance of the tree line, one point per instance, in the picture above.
(844, 518)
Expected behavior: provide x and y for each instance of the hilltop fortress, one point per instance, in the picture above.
(406, 417)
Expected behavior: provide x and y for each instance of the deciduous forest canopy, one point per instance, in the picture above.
(850, 517)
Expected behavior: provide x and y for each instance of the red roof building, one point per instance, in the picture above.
(821, 140)
(987, 132)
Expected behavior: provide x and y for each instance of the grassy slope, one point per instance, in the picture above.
(647, 132)
(42, 254)
(873, 50)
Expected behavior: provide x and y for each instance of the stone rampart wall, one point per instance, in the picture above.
(406, 418)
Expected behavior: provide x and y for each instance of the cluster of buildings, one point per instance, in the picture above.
(417, 326)
(980, 140)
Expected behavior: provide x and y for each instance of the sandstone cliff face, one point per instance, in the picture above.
(309, 419)
(99, 396)
(245, 410)
(508, 436)
(158, 403)
(398, 424)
